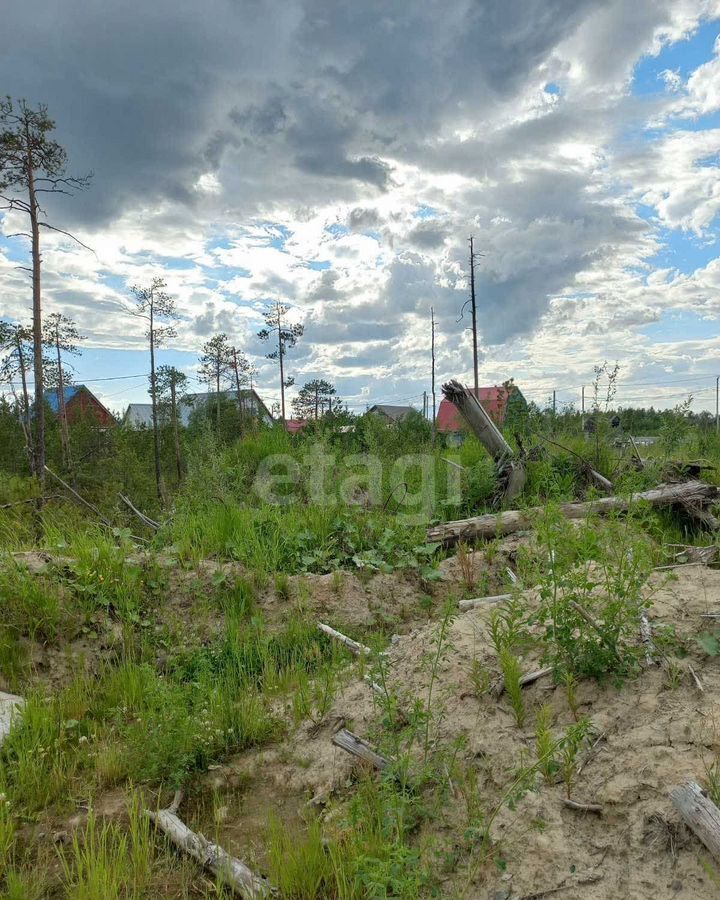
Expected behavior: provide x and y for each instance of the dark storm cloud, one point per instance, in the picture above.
(310, 103)
(146, 94)
(428, 236)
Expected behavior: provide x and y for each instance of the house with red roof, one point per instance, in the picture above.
(293, 426)
(497, 400)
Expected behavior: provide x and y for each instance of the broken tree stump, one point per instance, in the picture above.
(700, 814)
(231, 871)
(694, 493)
(356, 746)
(511, 470)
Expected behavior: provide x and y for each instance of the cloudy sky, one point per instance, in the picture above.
(337, 155)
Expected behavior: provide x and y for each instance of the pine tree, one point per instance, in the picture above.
(216, 364)
(157, 308)
(32, 164)
(287, 337)
(60, 335)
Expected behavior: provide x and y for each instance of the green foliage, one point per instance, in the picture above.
(592, 592)
(105, 860)
(512, 673)
(710, 643)
(299, 865)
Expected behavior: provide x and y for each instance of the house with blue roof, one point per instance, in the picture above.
(80, 403)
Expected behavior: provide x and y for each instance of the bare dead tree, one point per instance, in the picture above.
(157, 308)
(473, 305)
(241, 369)
(31, 164)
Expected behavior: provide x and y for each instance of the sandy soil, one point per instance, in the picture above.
(653, 737)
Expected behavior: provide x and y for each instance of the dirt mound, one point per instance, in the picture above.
(651, 734)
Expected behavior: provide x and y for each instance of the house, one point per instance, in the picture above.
(139, 415)
(497, 400)
(293, 426)
(80, 403)
(391, 414)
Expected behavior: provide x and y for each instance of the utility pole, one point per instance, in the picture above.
(554, 404)
(432, 353)
(717, 405)
(474, 315)
(425, 406)
(582, 407)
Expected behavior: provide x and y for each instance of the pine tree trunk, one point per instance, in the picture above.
(39, 448)
(217, 393)
(176, 431)
(282, 372)
(26, 401)
(153, 397)
(64, 430)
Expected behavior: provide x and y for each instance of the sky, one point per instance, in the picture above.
(337, 156)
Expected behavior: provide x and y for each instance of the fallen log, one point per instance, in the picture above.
(700, 814)
(356, 746)
(524, 680)
(231, 871)
(483, 601)
(582, 807)
(491, 525)
(353, 646)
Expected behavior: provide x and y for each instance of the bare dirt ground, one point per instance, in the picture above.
(652, 733)
(652, 737)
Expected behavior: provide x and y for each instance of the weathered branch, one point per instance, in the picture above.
(356, 746)
(77, 496)
(696, 493)
(700, 814)
(353, 646)
(151, 523)
(231, 871)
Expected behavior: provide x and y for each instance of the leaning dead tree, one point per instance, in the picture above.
(691, 495)
(510, 469)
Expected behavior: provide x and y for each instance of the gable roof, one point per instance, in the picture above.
(494, 401)
(394, 413)
(70, 392)
(52, 395)
(139, 415)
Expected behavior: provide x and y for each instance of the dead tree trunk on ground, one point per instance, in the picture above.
(700, 814)
(231, 871)
(692, 493)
